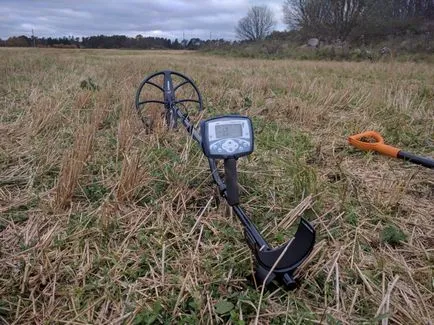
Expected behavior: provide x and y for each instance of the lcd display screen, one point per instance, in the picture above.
(228, 131)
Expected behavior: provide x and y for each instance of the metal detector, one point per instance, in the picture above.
(228, 138)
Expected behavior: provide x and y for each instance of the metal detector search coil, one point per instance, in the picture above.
(233, 135)
(229, 136)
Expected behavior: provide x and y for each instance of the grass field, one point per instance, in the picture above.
(102, 223)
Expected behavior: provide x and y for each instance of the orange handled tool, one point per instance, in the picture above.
(360, 141)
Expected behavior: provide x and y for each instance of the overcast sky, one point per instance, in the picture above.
(164, 18)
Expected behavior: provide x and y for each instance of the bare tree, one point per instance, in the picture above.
(339, 18)
(258, 23)
(303, 14)
(329, 18)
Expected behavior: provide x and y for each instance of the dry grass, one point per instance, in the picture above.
(101, 222)
(73, 165)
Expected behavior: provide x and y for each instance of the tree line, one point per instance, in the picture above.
(110, 42)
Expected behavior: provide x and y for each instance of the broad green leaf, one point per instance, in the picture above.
(223, 307)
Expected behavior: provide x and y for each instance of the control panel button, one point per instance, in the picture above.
(230, 146)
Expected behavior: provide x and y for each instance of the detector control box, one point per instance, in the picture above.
(229, 136)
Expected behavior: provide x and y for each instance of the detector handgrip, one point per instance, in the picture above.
(231, 181)
(378, 146)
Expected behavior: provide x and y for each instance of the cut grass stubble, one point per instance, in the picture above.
(104, 223)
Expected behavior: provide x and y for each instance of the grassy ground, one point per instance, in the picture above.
(103, 223)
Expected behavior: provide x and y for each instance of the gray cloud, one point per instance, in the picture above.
(128, 17)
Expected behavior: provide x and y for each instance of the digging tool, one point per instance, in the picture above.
(360, 141)
(228, 138)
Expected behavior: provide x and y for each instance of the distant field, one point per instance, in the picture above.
(97, 217)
